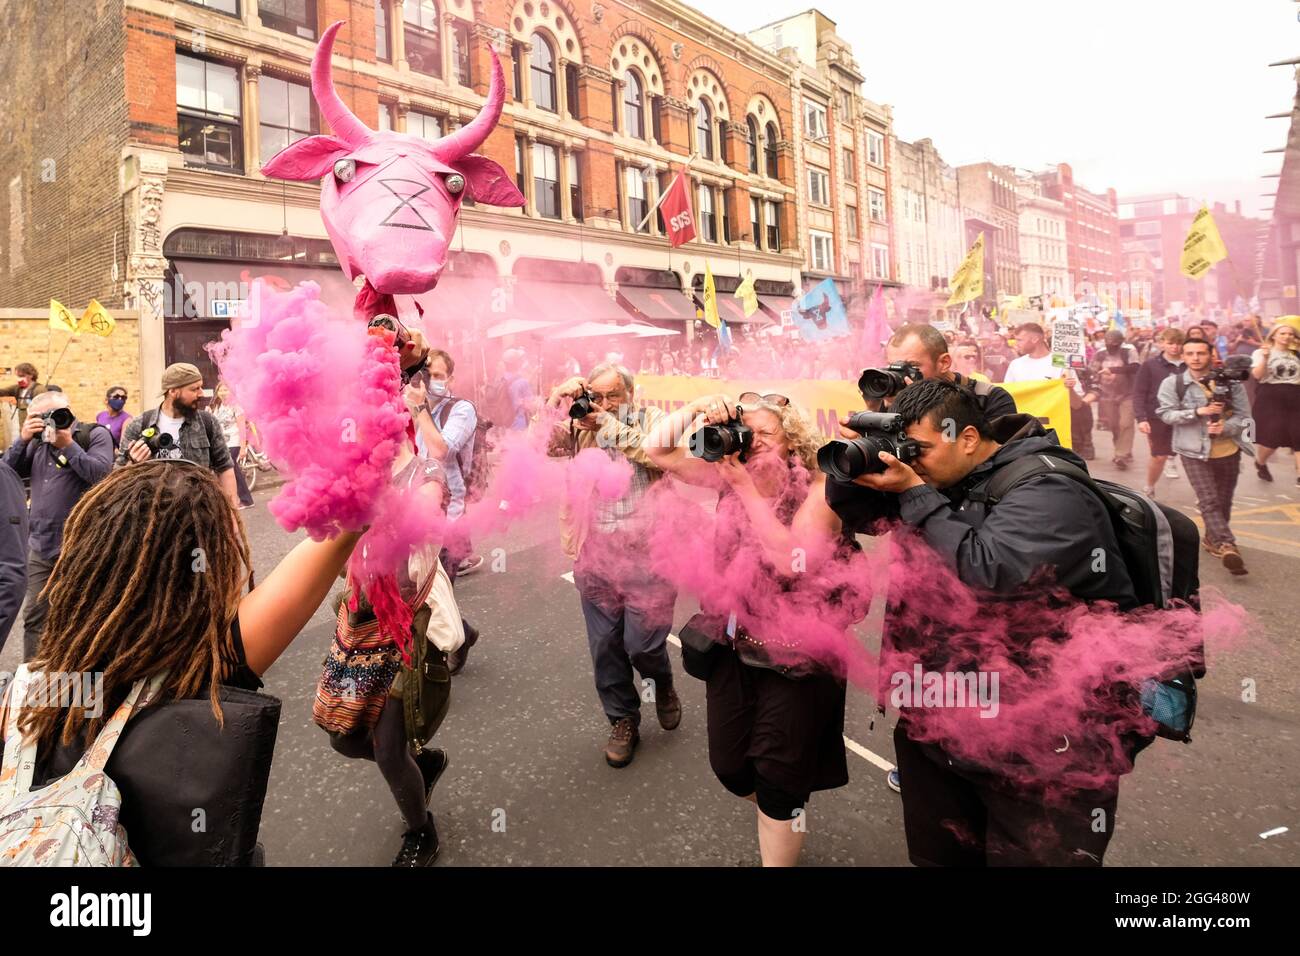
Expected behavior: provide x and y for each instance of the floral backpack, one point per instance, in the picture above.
(74, 820)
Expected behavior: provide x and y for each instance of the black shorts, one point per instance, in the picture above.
(1161, 439)
(776, 738)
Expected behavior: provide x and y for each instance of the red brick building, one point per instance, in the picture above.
(1093, 248)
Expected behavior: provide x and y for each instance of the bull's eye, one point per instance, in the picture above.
(344, 170)
(455, 184)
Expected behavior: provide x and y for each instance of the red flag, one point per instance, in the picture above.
(676, 209)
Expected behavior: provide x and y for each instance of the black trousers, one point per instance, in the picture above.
(954, 817)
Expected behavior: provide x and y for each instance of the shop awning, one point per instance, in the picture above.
(565, 302)
(733, 311)
(588, 330)
(657, 305)
(461, 299)
(213, 288)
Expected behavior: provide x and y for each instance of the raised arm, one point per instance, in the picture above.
(665, 446)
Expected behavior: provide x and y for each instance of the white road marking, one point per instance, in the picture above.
(1276, 831)
(568, 576)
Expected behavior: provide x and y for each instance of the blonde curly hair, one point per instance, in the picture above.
(800, 435)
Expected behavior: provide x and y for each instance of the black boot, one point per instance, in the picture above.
(419, 846)
(432, 763)
(457, 658)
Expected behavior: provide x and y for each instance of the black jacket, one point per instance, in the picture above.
(13, 548)
(1149, 377)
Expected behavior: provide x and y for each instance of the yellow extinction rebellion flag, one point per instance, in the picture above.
(96, 320)
(1203, 247)
(710, 298)
(746, 294)
(968, 281)
(61, 319)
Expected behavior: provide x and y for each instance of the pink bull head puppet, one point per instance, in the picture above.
(390, 200)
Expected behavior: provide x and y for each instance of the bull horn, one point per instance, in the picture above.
(469, 137)
(341, 119)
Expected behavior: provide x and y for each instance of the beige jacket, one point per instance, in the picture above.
(568, 441)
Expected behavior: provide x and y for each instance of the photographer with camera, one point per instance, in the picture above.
(176, 430)
(1208, 410)
(1116, 364)
(628, 610)
(24, 390)
(917, 352)
(63, 458)
(775, 726)
(1041, 536)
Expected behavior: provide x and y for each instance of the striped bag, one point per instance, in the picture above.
(360, 669)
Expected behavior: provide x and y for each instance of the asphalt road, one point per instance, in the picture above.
(528, 785)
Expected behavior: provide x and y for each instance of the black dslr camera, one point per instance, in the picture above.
(716, 442)
(878, 383)
(1235, 368)
(582, 406)
(156, 440)
(401, 339)
(880, 431)
(59, 418)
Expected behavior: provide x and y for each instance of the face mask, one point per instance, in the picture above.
(116, 404)
(437, 387)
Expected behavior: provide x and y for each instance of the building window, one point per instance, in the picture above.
(571, 89)
(726, 216)
(708, 215)
(814, 119)
(724, 151)
(383, 49)
(772, 221)
(634, 180)
(221, 6)
(423, 45)
(823, 251)
(769, 150)
(875, 149)
(541, 69)
(575, 187)
(819, 189)
(657, 118)
(424, 125)
(208, 112)
(751, 143)
(844, 101)
(876, 205)
(520, 168)
(633, 107)
(517, 60)
(385, 117)
(665, 180)
(851, 221)
(546, 180)
(460, 51)
(704, 130)
(295, 17)
(286, 113)
(880, 262)
(855, 269)
(850, 171)
(755, 223)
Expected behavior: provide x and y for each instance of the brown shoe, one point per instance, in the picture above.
(1232, 559)
(669, 708)
(1214, 549)
(623, 739)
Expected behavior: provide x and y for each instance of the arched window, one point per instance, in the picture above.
(633, 106)
(704, 130)
(542, 72)
(751, 137)
(769, 149)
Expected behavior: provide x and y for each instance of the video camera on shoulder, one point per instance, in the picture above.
(716, 442)
(879, 383)
(57, 419)
(1235, 368)
(881, 432)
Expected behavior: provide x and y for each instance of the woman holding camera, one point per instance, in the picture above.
(149, 586)
(1276, 367)
(775, 712)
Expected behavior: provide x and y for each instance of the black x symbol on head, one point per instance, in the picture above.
(406, 204)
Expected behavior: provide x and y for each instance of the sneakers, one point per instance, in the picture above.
(669, 708)
(1171, 469)
(623, 739)
(1232, 559)
(1263, 472)
(469, 565)
(1215, 549)
(895, 782)
(432, 763)
(1149, 491)
(457, 658)
(419, 847)
(1121, 464)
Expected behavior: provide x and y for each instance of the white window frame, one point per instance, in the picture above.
(822, 242)
(814, 119)
(879, 261)
(876, 207)
(875, 149)
(821, 195)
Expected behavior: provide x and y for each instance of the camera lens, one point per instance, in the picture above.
(846, 460)
(715, 442)
(581, 407)
(165, 440)
(61, 418)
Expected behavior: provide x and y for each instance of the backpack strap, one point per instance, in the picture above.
(81, 434)
(993, 490)
(1180, 385)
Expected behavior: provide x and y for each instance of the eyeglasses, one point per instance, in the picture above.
(606, 396)
(753, 398)
(117, 395)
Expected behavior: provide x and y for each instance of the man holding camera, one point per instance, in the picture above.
(176, 429)
(922, 349)
(63, 458)
(628, 610)
(1209, 411)
(1044, 533)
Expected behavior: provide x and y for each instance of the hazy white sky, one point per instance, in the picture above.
(1143, 95)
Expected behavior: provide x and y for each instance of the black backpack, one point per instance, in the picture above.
(1161, 550)
(480, 467)
(81, 434)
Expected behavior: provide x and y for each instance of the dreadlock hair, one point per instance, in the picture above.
(148, 581)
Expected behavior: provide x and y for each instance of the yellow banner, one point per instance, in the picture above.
(61, 319)
(1203, 247)
(745, 292)
(710, 298)
(827, 402)
(96, 320)
(967, 282)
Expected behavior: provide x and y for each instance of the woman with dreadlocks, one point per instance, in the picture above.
(150, 585)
